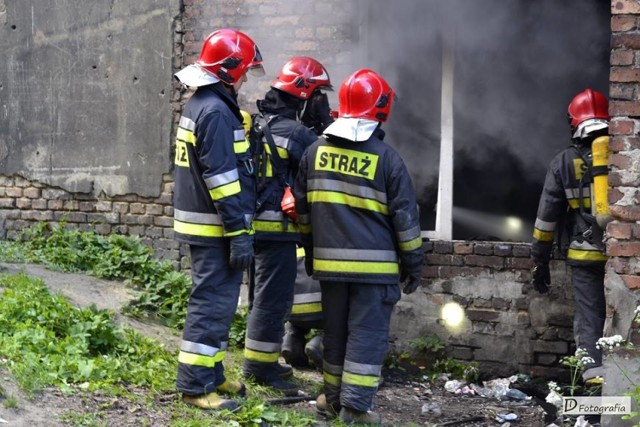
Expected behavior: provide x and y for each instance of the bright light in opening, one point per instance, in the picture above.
(452, 315)
(514, 224)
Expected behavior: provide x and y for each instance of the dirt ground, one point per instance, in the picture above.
(403, 400)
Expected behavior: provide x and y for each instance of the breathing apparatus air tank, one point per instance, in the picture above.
(600, 186)
(246, 121)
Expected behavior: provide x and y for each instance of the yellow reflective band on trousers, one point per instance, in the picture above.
(225, 190)
(580, 255)
(199, 359)
(259, 356)
(360, 380)
(314, 307)
(274, 226)
(411, 244)
(334, 380)
(543, 236)
(239, 232)
(198, 229)
(356, 266)
(346, 199)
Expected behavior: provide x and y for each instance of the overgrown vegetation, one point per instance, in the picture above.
(429, 356)
(46, 341)
(163, 291)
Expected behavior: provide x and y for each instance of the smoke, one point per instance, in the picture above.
(517, 65)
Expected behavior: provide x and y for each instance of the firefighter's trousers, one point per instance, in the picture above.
(212, 304)
(590, 311)
(275, 275)
(356, 334)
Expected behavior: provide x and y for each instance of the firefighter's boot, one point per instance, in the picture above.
(283, 370)
(352, 417)
(210, 401)
(314, 349)
(233, 388)
(325, 410)
(293, 346)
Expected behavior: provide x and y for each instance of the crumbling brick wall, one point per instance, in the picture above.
(622, 280)
(507, 326)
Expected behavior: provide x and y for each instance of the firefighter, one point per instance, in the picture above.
(279, 140)
(565, 209)
(304, 318)
(214, 201)
(358, 218)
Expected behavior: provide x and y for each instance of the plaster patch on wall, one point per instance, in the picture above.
(93, 180)
(4, 150)
(85, 89)
(621, 305)
(84, 182)
(629, 176)
(38, 159)
(487, 288)
(3, 13)
(630, 196)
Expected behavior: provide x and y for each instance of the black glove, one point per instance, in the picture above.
(317, 115)
(541, 278)
(308, 261)
(411, 283)
(241, 252)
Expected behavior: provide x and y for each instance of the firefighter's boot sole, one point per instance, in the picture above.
(211, 401)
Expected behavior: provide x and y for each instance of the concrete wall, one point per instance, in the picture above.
(84, 93)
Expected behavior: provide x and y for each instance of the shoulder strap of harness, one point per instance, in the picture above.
(587, 223)
(262, 130)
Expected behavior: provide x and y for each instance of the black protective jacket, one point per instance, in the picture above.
(357, 205)
(214, 189)
(565, 207)
(291, 139)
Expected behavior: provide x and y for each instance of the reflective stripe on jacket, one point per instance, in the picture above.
(214, 189)
(560, 201)
(290, 139)
(357, 199)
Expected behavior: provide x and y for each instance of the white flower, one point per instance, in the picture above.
(609, 343)
(587, 360)
(553, 386)
(581, 352)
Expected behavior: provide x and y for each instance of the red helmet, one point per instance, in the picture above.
(300, 76)
(587, 105)
(365, 95)
(227, 54)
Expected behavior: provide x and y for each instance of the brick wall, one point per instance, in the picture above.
(622, 281)
(507, 326)
(623, 233)
(24, 203)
